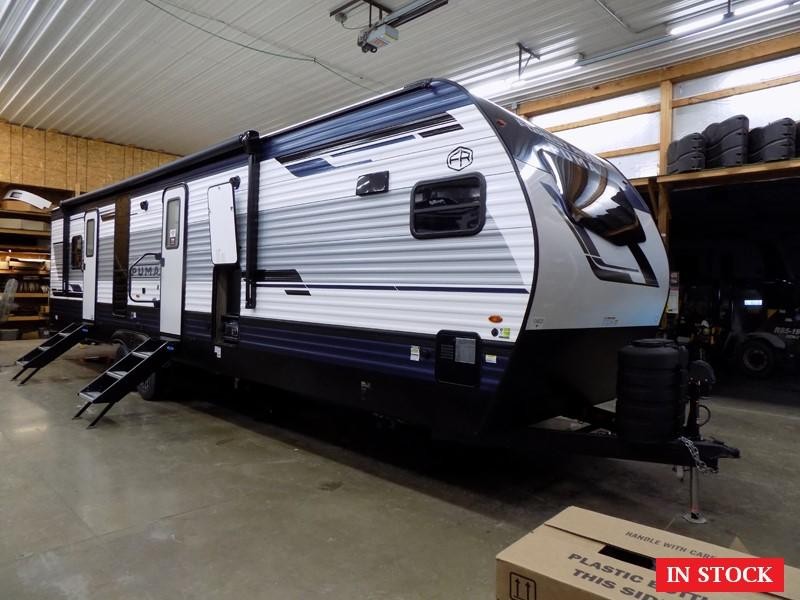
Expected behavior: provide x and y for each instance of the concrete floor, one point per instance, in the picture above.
(203, 497)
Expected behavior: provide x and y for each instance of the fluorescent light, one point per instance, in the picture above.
(485, 72)
(753, 302)
(697, 24)
(499, 86)
(761, 13)
(491, 88)
(558, 65)
(755, 7)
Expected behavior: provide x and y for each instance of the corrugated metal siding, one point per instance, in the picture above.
(81, 67)
(318, 226)
(199, 268)
(56, 256)
(145, 237)
(105, 256)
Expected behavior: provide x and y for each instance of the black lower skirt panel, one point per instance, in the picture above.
(545, 374)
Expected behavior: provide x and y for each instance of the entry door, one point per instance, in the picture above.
(90, 222)
(173, 244)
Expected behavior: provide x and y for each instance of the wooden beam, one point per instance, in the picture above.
(652, 194)
(663, 216)
(628, 151)
(665, 128)
(735, 91)
(706, 65)
(631, 112)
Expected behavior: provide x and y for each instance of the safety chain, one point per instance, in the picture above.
(698, 462)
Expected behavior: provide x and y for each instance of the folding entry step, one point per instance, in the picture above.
(124, 375)
(51, 349)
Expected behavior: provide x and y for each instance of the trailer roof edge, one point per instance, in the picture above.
(225, 148)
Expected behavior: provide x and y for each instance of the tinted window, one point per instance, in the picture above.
(76, 252)
(89, 238)
(448, 207)
(173, 219)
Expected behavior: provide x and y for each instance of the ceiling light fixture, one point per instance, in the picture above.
(753, 7)
(500, 86)
(697, 24)
(758, 8)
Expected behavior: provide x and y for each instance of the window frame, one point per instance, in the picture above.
(88, 247)
(455, 233)
(73, 252)
(167, 245)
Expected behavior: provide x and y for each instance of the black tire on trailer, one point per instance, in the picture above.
(150, 388)
(756, 358)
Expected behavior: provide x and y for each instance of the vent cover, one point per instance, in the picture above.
(457, 355)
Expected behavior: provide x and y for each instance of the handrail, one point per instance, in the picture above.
(157, 256)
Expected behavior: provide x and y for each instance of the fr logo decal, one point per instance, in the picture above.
(459, 158)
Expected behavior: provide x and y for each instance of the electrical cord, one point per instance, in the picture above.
(301, 58)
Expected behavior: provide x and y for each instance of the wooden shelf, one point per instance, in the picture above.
(28, 232)
(723, 176)
(26, 249)
(17, 318)
(23, 272)
(25, 214)
(31, 295)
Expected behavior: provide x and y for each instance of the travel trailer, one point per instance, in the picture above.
(425, 255)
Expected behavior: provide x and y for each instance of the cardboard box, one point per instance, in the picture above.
(584, 555)
(31, 225)
(8, 223)
(26, 224)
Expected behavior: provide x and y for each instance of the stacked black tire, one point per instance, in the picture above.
(651, 391)
(687, 154)
(726, 142)
(775, 141)
(730, 143)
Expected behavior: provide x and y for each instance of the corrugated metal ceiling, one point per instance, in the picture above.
(130, 72)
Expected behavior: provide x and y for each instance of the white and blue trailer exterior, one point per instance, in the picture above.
(426, 255)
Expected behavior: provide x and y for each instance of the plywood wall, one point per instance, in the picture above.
(55, 160)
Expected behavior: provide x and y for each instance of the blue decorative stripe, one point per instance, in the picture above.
(352, 349)
(346, 351)
(398, 288)
(405, 138)
(492, 373)
(316, 166)
(404, 107)
(197, 325)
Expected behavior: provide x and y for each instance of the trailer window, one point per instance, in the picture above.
(90, 238)
(448, 207)
(76, 252)
(173, 218)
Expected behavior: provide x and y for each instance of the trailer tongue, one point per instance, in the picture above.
(597, 432)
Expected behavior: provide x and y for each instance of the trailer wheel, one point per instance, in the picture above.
(148, 389)
(757, 358)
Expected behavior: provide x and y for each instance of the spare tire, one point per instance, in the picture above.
(651, 391)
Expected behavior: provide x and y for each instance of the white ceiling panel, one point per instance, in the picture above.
(130, 72)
